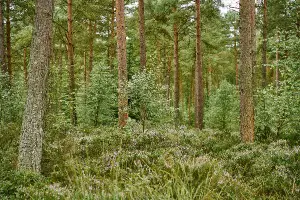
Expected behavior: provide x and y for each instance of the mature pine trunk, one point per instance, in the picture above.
(112, 47)
(25, 66)
(264, 46)
(176, 73)
(142, 35)
(246, 90)
(30, 150)
(199, 91)
(2, 48)
(8, 41)
(71, 65)
(122, 64)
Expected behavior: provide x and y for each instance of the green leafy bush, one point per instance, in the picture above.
(223, 110)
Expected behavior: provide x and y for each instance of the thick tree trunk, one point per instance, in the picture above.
(25, 66)
(246, 88)
(142, 35)
(8, 41)
(264, 46)
(71, 66)
(176, 74)
(2, 48)
(199, 91)
(30, 150)
(122, 64)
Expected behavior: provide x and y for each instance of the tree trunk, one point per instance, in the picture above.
(92, 30)
(85, 69)
(277, 63)
(236, 60)
(25, 66)
(71, 65)
(169, 79)
(246, 88)
(176, 73)
(142, 35)
(199, 91)
(2, 48)
(122, 64)
(112, 47)
(264, 46)
(8, 41)
(30, 150)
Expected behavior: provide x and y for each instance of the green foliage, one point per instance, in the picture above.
(277, 109)
(97, 101)
(12, 99)
(223, 110)
(147, 99)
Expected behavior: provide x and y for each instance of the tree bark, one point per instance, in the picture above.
(30, 150)
(122, 64)
(112, 46)
(246, 83)
(199, 91)
(8, 41)
(2, 48)
(71, 65)
(264, 46)
(277, 63)
(176, 73)
(142, 35)
(236, 60)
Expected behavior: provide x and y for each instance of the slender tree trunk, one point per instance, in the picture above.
(85, 69)
(30, 150)
(71, 65)
(25, 66)
(112, 46)
(264, 46)
(176, 73)
(2, 48)
(277, 63)
(8, 41)
(236, 60)
(92, 29)
(199, 91)
(122, 64)
(142, 35)
(246, 83)
(169, 79)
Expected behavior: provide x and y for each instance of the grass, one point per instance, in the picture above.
(162, 163)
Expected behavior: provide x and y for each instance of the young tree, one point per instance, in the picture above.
(2, 48)
(30, 150)
(142, 35)
(122, 64)
(264, 46)
(246, 70)
(199, 91)
(71, 65)
(176, 71)
(112, 46)
(8, 41)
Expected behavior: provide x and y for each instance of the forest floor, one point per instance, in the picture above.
(162, 163)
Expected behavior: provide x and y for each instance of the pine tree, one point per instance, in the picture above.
(122, 64)
(30, 150)
(246, 70)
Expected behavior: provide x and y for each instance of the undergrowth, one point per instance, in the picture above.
(162, 163)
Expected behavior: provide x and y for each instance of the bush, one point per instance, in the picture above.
(223, 110)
